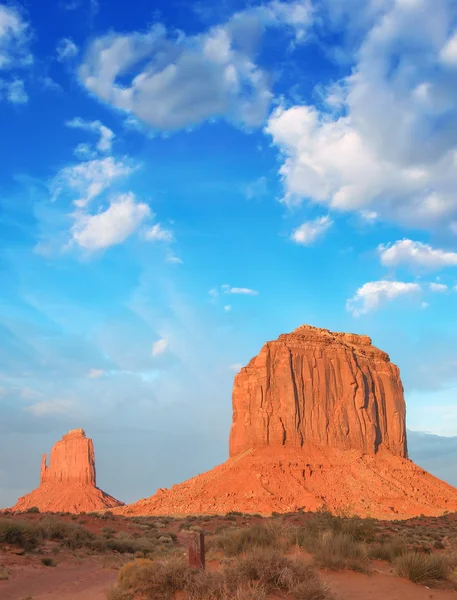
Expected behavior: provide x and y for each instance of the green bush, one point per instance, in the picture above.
(422, 568)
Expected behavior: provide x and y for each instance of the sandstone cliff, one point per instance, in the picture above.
(318, 421)
(332, 389)
(68, 484)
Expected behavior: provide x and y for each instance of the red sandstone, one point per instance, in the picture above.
(318, 421)
(68, 484)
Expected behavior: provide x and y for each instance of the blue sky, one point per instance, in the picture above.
(180, 184)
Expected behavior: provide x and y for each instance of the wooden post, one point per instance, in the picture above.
(197, 550)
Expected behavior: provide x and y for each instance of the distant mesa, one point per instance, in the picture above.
(318, 422)
(68, 484)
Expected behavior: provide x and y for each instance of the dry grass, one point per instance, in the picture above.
(388, 550)
(234, 542)
(422, 568)
(4, 573)
(159, 580)
(340, 551)
(251, 576)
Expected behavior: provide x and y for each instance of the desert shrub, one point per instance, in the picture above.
(387, 550)
(157, 580)
(4, 573)
(237, 541)
(422, 568)
(48, 562)
(19, 533)
(270, 568)
(340, 551)
(311, 590)
(202, 585)
(33, 510)
(249, 591)
(130, 545)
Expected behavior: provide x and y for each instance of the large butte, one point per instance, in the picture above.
(318, 421)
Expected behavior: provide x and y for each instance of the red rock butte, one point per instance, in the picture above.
(318, 422)
(68, 484)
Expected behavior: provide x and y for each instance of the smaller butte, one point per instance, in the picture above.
(68, 484)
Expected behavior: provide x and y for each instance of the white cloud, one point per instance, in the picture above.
(99, 231)
(393, 148)
(14, 91)
(66, 49)
(439, 288)
(310, 231)
(159, 234)
(236, 367)
(448, 53)
(227, 308)
(171, 258)
(373, 294)
(227, 289)
(410, 253)
(159, 347)
(176, 80)
(89, 179)
(96, 373)
(14, 39)
(106, 135)
(50, 407)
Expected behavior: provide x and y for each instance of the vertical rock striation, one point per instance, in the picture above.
(68, 484)
(330, 389)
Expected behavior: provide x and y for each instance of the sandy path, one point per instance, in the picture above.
(348, 585)
(81, 582)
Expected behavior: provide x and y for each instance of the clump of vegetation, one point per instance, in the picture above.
(340, 551)
(23, 534)
(237, 541)
(4, 573)
(387, 550)
(422, 568)
(251, 576)
(33, 510)
(48, 562)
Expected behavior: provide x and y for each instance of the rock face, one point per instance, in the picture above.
(68, 484)
(318, 421)
(331, 389)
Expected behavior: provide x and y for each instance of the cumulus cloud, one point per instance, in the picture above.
(105, 134)
(14, 39)
(310, 231)
(14, 54)
(375, 293)
(392, 148)
(66, 49)
(175, 81)
(159, 347)
(50, 407)
(110, 227)
(14, 91)
(89, 179)
(158, 234)
(439, 288)
(227, 289)
(410, 253)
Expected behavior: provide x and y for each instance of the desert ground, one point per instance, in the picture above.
(301, 556)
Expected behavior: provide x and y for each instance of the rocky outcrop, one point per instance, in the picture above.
(331, 389)
(68, 484)
(318, 421)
